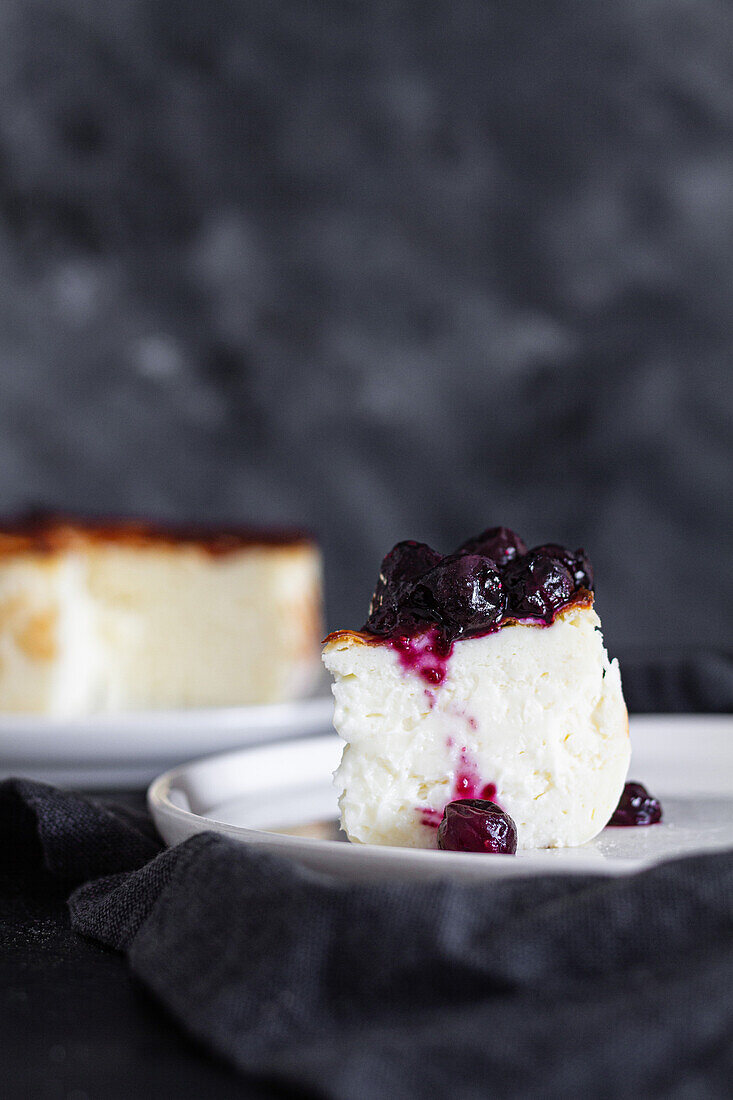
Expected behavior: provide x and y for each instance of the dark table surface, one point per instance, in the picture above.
(74, 1022)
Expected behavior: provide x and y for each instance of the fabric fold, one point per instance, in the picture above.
(402, 990)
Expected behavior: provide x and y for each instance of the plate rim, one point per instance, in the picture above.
(187, 716)
(159, 804)
(153, 738)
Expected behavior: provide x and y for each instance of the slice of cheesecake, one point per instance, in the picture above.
(125, 615)
(479, 675)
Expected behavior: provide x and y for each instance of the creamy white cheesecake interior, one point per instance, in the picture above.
(127, 617)
(532, 716)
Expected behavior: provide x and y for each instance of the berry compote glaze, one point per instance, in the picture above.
(467, 784)
(477, 825)
(424, 600)
(636, 807)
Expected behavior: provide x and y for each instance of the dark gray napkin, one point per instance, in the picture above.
(549, 987)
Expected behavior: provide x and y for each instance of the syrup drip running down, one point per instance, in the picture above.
(467, 783)
(425, 654)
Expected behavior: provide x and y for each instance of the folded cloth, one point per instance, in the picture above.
(554, 986)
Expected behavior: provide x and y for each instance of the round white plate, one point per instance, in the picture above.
(129, 749)
(281, 798)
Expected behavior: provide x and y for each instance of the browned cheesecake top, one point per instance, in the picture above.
(582, 599)
(46, 532)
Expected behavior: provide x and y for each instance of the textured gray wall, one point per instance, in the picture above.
(387, 269)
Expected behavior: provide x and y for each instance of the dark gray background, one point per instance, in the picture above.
(388, 269)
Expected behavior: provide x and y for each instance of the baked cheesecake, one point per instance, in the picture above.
(107, 616)
(481, 674)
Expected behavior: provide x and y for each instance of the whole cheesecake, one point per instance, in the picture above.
(124, 615)
(479, 675)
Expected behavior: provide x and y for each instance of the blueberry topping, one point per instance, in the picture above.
(489, 579)
(406, 561)
(577, 563)
(498, 543)
(475, 825)
(403, 564)
(636, 807)
(538, 586)
(463, 593)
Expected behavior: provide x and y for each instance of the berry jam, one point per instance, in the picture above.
(425, 653)
(538, 586)
(467, 784)
(498, 543)
(424, 600)
(636, 807)
(477, 825)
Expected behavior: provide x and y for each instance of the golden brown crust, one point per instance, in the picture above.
(580, 599)
(46, 533)
(37, 638)
(33, 631)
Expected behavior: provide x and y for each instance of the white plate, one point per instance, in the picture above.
(129, 749)
(281, 798)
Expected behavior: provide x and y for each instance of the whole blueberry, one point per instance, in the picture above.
(402, 565)
(636, 807)
(463, 592)
(498, 543)
(576, 561)
(537, 586)
(474, 825)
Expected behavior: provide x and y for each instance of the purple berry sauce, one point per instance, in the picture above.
(636, 807)
(467, 784)
(425, 654)
(477, 825)
(498, 543)
(424, 600)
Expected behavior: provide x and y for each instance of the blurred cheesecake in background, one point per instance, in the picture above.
(124, 615)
